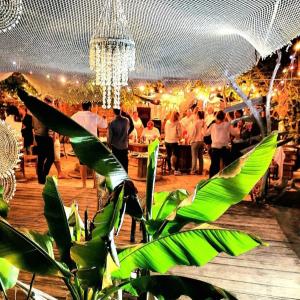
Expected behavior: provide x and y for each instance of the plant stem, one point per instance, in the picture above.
(86, 294)
(73, 292)
(30, 287)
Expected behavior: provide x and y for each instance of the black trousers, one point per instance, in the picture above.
(172, 149)
(216, 156)
(122, 156)
(45, 156)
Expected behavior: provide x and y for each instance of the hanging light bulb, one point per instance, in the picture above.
(112, 54)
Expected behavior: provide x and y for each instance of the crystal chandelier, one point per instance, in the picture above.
(112, 53)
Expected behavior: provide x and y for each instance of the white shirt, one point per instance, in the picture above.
(188, 124)
(150, 134)
(172, 132)
(220, 134)
(137, 124)
(89, 120)
(198, 131)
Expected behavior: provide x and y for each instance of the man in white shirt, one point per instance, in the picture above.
(187, 123)
(91, 122)
(220, 133)
(150, 133)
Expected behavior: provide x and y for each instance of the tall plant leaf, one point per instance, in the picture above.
(231, 185)
(168, 287)
(190, 248)
(90, 258)
(25, 254)
(151, 175)
(8, 275)
(87, 147)
(55, 215)
(165, 205)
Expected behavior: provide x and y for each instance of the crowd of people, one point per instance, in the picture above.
(221, 135)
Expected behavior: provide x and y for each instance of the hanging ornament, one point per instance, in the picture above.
(112, 53)
(10, 14)
(9, 158)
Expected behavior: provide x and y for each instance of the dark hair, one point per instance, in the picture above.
(200, 114)
(117, 111)
(86, 106)
(48, 99)
(240, 111)
(220, 115)
(231, 114)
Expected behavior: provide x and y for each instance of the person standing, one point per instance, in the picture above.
(27, 129)
(220, 132)
(150, 133)
(138, 124)
(91, 122)
(173, 133)
(118, 132)
(197, 144)
(45, 144)
(187, 124)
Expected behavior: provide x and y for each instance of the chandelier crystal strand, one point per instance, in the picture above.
(112, 52)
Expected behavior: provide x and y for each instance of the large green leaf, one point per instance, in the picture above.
(8, 274)
(90, 258)
(170, 287)
(213, 197)
(25, 254)
(190, 248)
(151, 175)
(55, 215)
(165, 205)
(87, 147)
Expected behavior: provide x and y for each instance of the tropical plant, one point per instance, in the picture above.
(91, 265)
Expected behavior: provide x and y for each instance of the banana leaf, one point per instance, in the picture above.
(25, 254)
(168, 287)
(111, 216)
(151, 175)
(214, 196)
(231, 185)
(86, 146)
(55, 215)
(90, 258)
(189, 248)
(8, 275)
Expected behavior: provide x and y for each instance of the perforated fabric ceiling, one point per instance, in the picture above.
(174, 38)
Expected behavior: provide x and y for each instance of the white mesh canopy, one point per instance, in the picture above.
(196, 39)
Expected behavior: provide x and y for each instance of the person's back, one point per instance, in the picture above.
(118, 138)
(118, 132)
(88, 120)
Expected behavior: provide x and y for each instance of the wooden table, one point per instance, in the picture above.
(138, 147)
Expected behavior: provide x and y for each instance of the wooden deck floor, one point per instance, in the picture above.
(266, 273)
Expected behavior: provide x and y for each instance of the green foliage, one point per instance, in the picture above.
(26, 254)
(8, 275)
(151, 175)
(93, 263)
(190, 248)
(57, 220)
